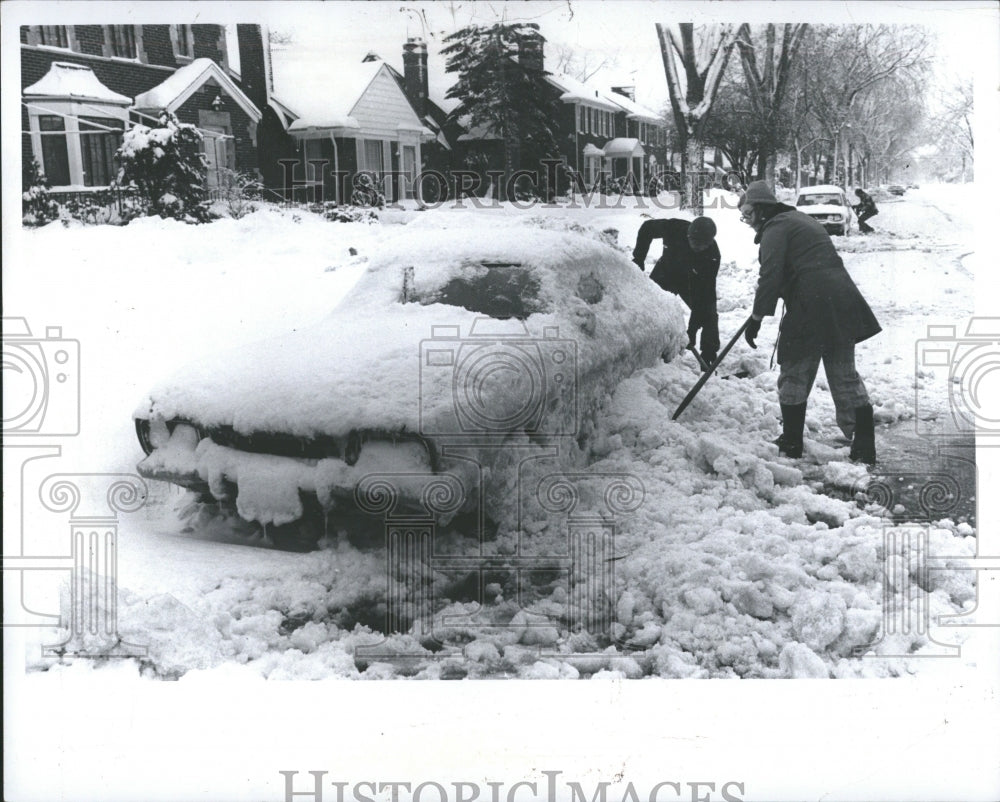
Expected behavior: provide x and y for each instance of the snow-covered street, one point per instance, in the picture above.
(737, 563)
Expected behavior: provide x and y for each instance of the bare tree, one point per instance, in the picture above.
(953, 125)
(694, 65)
(581, 64)
(846, 61)
(734, 129)
(769, 56)
(885, 126)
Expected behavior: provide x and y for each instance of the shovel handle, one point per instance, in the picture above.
(708, 373)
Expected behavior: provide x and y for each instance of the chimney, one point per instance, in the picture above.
(627, 91)
(531, 52)
(254, 72)
(415, 74)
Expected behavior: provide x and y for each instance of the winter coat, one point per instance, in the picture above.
(865, 204)
(823, 307)
(681, 269)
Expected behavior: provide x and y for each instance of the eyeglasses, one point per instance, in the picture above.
(747, 217)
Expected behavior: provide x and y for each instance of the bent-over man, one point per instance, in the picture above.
(688, 268)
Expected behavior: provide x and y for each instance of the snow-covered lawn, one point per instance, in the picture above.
(737, 563)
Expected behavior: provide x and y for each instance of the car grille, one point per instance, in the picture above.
(296, 446)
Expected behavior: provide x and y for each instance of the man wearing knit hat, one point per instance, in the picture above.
(825, 317)
(688, 267)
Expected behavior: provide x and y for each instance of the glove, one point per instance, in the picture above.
(752, 330)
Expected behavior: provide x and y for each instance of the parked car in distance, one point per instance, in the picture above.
(897, 189)
(827, 204)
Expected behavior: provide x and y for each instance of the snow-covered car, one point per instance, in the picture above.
(897, 189)
(828, 205)
(467, 346)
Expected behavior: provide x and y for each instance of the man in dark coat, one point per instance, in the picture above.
(825, 316)
(688, 268)
(866, 208)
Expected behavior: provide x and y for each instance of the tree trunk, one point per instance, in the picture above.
(767, 167)
(694, 163)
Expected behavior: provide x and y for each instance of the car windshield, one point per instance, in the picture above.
(820, 199)
(500, 290)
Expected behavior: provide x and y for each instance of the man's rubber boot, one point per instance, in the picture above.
(863, 445)
(793, 421)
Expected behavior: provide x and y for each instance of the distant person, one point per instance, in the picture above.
(688, 268)
(825, 317)
(866, 209)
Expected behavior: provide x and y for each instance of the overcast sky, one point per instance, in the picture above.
(326, 34)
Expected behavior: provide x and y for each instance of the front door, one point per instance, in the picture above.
(216, 148)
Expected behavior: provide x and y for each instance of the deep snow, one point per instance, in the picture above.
(737, 563)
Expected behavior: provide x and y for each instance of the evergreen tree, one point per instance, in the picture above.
(167, 168)
(501, 87)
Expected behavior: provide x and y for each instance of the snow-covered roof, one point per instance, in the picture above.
(74, 82)
(633, 110)
(574, 91)
(623, 146)
(173, 92)
(321, 103)
(592, 150)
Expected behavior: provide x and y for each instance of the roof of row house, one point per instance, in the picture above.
(184, 82)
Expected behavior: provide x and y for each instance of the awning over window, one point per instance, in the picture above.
(74, 82)
(623, 148)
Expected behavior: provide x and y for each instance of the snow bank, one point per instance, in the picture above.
(736, 563)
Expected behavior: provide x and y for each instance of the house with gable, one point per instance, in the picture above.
(371, 120)
(599, 132)
(82, 85)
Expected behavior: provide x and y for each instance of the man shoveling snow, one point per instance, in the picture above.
(688, 267)
(825, 316)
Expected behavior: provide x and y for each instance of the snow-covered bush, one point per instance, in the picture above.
(366, 191)
(37, 208)
(239, 191)
(167, 168)
(349, 214)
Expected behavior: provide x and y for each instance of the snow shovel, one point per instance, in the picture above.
(697, 355)
(708, 373)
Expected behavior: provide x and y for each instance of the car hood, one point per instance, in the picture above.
(823, 208)
(365, 365)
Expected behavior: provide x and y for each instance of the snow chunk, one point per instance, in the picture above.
(818, 618)
(800, 662)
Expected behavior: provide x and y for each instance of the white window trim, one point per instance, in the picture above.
(140, 52)
(175, 36)
(71, 111)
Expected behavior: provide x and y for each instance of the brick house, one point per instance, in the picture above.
(82, 85)
(598, 131)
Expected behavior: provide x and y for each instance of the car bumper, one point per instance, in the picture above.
(385, 478)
